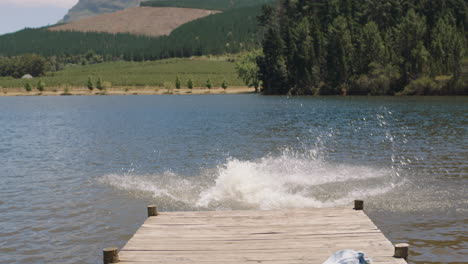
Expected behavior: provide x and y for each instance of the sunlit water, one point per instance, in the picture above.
(77, 172)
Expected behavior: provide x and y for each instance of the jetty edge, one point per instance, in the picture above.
(287, 236)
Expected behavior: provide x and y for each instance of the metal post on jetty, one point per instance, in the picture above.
(290, 236)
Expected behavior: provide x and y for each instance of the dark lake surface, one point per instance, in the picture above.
(77, 173)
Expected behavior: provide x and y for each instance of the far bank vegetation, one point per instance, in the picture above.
(186, 73)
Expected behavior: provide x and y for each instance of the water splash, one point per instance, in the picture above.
(290, 180)
(308, 177)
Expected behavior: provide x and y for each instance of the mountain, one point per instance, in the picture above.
(122, 35)
(89, 8)
(147, 21)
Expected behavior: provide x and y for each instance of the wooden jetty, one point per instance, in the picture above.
(278, 237)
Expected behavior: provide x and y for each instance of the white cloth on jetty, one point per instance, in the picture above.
(348, 256)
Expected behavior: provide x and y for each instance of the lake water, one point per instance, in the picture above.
(77, 172)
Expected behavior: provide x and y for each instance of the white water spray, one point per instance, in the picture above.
(290, 180)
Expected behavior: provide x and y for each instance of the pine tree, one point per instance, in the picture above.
(28, 87)
(40, 86)
(272, 65)
(90, 84)
(412, 31)
(288, 32)
(99, 84)
(447, 47)
(304, 59)
(372, 48)
(340, 53)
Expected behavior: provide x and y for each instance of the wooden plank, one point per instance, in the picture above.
(263, 239)
(240, 245)
(241, 256)
(290, 236)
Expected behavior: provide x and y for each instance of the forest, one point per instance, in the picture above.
(380, 47)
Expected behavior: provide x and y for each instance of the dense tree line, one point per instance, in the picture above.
(21, 65)
(37, 65)
(49, 43)
(363, 47)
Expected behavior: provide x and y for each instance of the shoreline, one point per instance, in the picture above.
(131, 90)
(155, 90)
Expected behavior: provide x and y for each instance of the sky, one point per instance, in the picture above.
(18, 14)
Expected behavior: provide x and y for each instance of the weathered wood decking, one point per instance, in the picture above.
(277, 237)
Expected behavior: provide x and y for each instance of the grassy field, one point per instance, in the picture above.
(162, 73)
